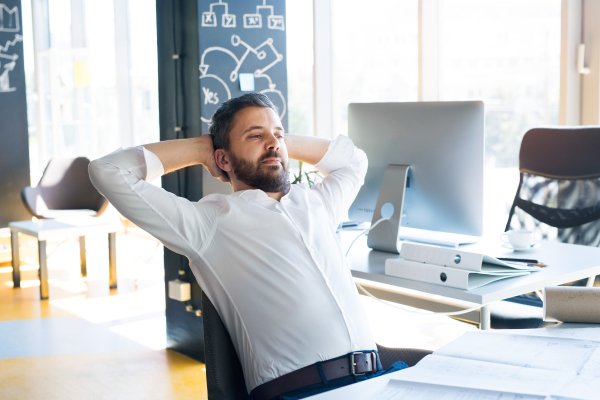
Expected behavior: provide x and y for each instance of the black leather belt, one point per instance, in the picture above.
(356, 364)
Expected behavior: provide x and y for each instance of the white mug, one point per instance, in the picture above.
(519, 239)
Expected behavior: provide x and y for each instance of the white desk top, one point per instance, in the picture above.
(44, 229)
(566, 263)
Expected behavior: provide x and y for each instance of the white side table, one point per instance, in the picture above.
(44, 229)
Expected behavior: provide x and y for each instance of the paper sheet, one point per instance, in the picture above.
(566, 330)
(398, 390)
(580, 387)
(544, 352)
(450, 371)
(557, 363)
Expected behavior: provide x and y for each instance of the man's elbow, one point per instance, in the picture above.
(100, 173)
(363, 164)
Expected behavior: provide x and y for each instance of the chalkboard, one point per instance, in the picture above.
(14, 148)
(241, 37)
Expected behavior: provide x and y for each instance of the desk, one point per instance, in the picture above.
(44, 229)
(566, 263)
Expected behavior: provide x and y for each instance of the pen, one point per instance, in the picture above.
(528, 264)
(536, 265)
(523, 260)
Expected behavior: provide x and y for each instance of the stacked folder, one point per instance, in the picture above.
(450, 267)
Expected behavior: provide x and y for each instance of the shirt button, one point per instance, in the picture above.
(354, 346)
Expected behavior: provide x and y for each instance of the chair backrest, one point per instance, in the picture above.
(224, 375)
(559, 191)
(65, 185)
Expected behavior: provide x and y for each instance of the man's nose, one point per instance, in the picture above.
(272, 142)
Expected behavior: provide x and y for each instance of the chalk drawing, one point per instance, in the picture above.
(212, 86)
(276, 22)
(255, 20)
(9, 19)
(214, 90)
(7, 67)
(10, 43)
(252, 21)
(228, 21)
(209, 18)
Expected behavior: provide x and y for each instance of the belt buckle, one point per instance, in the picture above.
(353, 364)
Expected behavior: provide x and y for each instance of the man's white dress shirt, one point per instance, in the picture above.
(274, 270)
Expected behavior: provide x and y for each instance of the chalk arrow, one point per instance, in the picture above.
(12, 57)
(18, 38)
(203, 69)
(10, 66)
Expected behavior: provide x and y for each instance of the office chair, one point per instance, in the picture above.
(64, 189)
(558, 198)
(224, 376)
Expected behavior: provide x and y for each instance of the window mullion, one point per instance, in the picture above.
(429, 50)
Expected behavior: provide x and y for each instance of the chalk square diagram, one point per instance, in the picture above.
(228, 21)
(9, 19)
(209, 18)
(252, 21)
(247, 82)
(275, 22)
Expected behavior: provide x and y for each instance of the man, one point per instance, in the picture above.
(267, 255)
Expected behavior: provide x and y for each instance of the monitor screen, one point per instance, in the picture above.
(443, 144)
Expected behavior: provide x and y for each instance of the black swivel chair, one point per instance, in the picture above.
(558, 198)
(224, 376)
(64, 189)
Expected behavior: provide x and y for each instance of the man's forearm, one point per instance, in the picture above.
(308, 149)
(177, 154)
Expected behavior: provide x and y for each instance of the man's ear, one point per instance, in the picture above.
(222, 160)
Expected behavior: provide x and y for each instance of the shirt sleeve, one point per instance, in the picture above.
(123, 178)
(345, 167)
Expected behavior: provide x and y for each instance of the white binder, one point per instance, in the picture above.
(455, 258)
(446, 276)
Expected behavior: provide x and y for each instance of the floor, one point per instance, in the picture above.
(89, 342)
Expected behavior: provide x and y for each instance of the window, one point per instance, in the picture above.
(506, 53)
(300, 62)
(79, 100)
(375, 54)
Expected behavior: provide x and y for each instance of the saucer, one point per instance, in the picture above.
(508, 246)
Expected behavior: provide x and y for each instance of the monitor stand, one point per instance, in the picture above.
(384, 237)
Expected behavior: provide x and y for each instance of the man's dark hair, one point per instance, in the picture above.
(223, 119)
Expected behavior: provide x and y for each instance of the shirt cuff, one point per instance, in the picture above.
(154, 168)
(338, 155)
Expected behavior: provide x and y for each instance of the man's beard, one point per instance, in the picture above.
(268, 178)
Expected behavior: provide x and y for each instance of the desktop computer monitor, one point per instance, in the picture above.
(442, 189)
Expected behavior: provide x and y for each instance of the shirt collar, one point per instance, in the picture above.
(257, 195)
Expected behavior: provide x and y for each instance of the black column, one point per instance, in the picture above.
(179, 107)
(14, 148)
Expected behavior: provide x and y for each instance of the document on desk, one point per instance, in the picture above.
(485, 380)
(573, 354)
(556, 363)
(396, 389)
(448, 378)
(544, 352)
